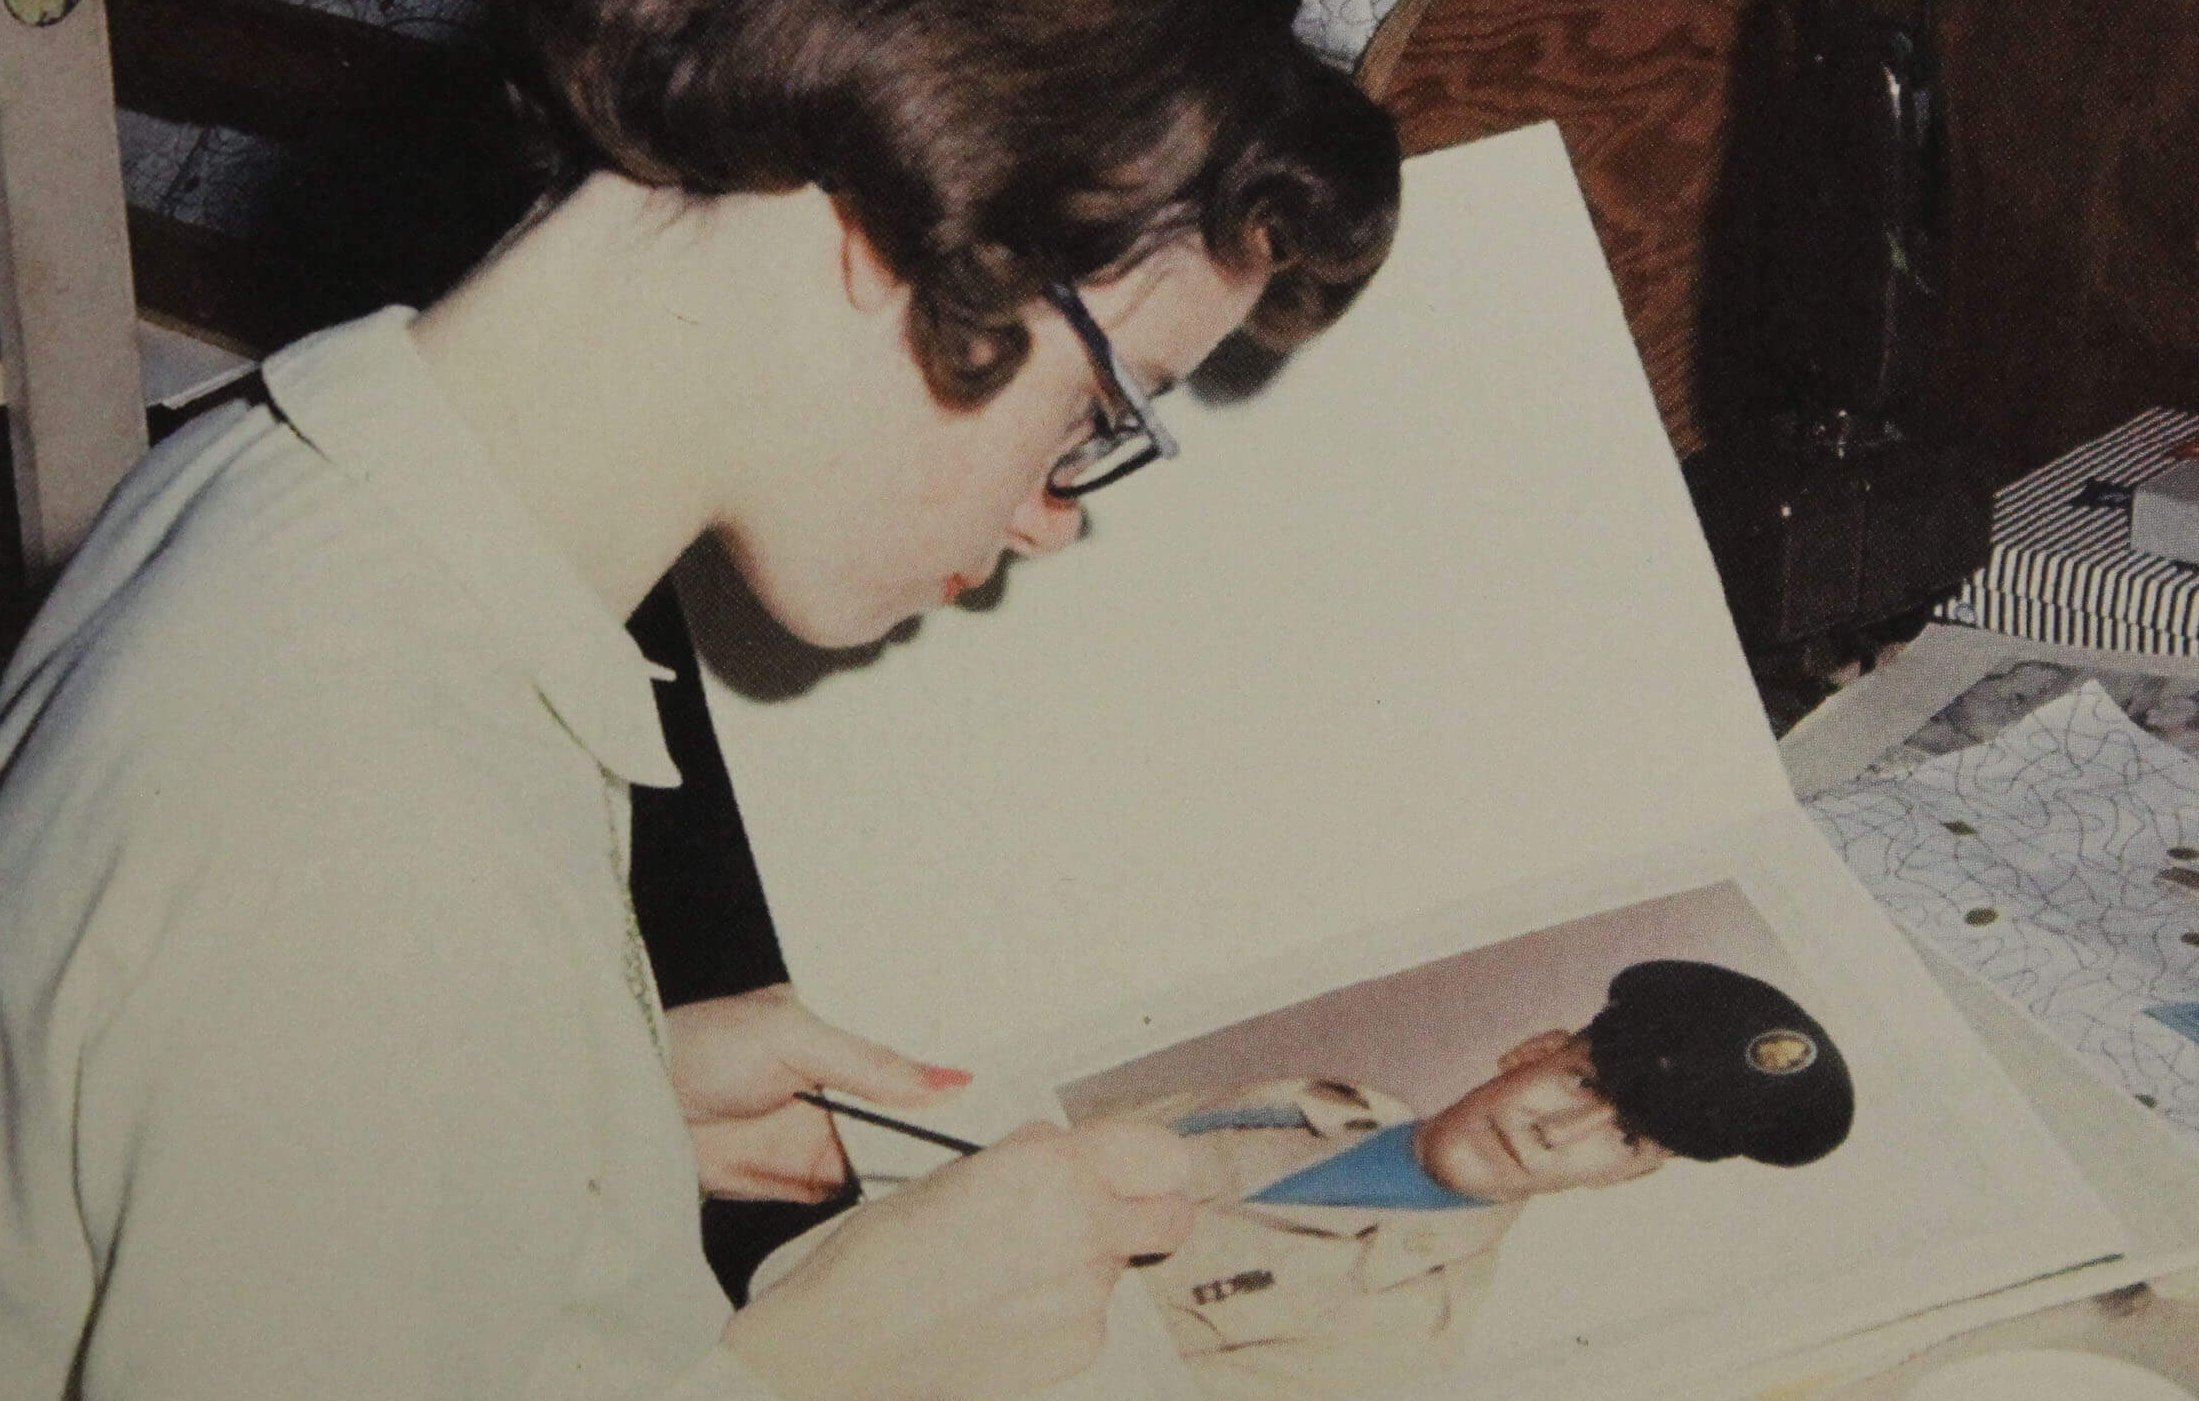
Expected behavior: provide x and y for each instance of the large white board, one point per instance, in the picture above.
(1430, 614)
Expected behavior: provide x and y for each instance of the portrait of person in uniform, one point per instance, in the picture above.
(1499, 1152)
(1344, 1241)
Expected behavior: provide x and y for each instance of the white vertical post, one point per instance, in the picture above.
(67, 308)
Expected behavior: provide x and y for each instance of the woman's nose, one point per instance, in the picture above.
(1044, 523)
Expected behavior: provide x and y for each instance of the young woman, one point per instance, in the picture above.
(333, 1064)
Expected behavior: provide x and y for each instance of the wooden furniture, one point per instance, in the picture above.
(2072, 286)
(67, 321)
(1641, 92)
(398, 171)
(2069, 292)
(397, 175)
(2071, 295)
(2073, 289)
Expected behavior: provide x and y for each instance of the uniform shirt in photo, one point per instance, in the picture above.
(332, 1062)
(1295, 1300)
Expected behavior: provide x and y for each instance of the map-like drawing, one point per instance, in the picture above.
(2059, 861)
(2166, 707)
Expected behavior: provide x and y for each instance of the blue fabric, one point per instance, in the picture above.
(1379, 1171)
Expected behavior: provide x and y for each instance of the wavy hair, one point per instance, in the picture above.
(986, 147)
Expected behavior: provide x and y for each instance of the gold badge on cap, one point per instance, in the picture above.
(1782, 1051)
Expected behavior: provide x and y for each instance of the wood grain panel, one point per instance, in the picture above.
(2072, 281)
(2073, 289)
(1641, 92)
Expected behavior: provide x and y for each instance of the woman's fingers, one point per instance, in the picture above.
(991, 1277)
(820, 1053)
(1144, 1170)
(787, 1155)
(749, 1054)
(1150, 1227)
(1135, 1160)
(1124, 1182)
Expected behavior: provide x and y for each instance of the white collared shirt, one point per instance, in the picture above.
(329, 1069)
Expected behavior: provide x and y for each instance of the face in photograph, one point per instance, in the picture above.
(1347, 1240)
(1540, 1125)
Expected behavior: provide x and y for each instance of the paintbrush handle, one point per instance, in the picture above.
(885, 1121)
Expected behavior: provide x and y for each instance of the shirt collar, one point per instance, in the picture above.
(360, 394)
(1381, 1170)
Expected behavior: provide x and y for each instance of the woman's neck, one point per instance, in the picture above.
(621, 359)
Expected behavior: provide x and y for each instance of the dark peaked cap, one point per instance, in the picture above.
(1710, 1063)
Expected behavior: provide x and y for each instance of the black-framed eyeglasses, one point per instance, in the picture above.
(1125, 433)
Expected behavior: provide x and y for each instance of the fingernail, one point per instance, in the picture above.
(940, 1077)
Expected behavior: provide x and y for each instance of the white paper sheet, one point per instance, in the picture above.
(1949, 688)
(1671, 1285)
(1955, 686)
(1429, 621)
(2036, 861)
(1432, 615)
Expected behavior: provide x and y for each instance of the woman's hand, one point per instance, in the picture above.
(988, 1279)
(736, 1063)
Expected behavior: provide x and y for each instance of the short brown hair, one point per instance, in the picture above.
(986, 147)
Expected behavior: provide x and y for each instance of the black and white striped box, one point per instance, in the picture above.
(2061, 568)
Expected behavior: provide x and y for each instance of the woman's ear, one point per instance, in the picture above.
(870, 285)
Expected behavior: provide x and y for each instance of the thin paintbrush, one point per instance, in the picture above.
(886, 1121)
(918, 1131)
